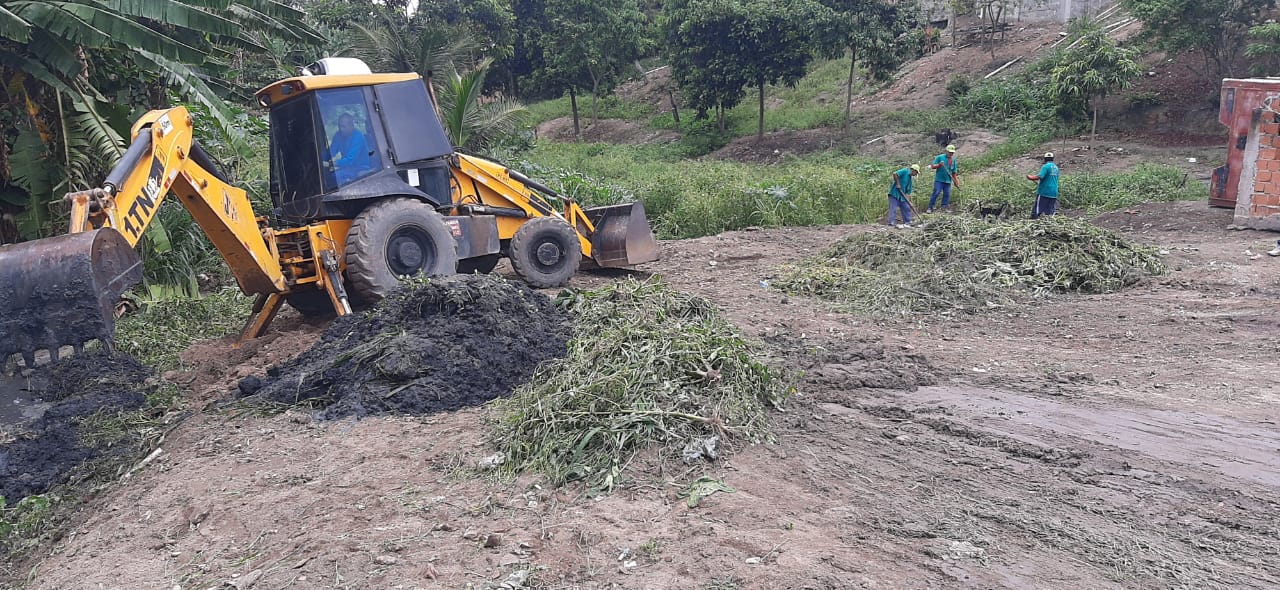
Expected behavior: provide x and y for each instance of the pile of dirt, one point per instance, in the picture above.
(614, 131)
(433, 345)
(777, 146)
(654, 89)
(964, 264)
(38, 453)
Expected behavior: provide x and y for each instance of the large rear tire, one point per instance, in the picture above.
(396, 238)
(545, 252)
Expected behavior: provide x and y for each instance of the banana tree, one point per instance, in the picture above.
(58, 57)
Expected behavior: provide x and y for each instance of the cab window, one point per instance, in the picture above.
(296, 171)
(351, 151)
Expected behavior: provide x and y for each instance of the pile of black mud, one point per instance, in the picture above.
(44, 447)
(433, 345)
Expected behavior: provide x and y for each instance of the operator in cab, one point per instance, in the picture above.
(348, 151)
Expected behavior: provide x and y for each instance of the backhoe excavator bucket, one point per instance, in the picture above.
(623, 236)
(62, 291)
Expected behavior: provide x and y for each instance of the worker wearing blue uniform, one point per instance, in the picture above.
(348, 151)
(1046, 188)
(947, 169)
(900, 192)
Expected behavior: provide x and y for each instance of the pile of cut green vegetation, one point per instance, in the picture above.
(965, 265)
(647, 366)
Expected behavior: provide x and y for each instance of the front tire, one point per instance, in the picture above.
(396, 238)
(545, 252)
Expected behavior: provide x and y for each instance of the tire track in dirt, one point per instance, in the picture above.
(1043, 504)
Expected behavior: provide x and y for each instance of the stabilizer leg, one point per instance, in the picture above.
(264, 311)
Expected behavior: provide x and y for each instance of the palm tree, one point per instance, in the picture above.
(472, 120)
(445, 56)
(398, 45)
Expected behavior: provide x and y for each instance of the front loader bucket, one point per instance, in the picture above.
(62, 291)
(622, 236)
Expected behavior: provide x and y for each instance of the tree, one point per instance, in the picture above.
(587, 45)
(721, 46)
(1264, 49)
(776, 46)
(1095, 67)
(698, 37)
(1216, 29)
(868, 30)
(992, 13)
(393, 43)
(490, 22)
(74, 71)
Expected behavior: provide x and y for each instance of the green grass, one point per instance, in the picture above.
(687, 198)
(160, 329)
(1021, 141)
(1145, 183)
(1093, 192)
(610, 107)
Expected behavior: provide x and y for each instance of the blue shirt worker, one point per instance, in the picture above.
(348, 151)
(900, 193)
(946, 175)
(1046, 189)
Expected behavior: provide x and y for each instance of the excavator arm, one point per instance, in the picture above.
(62, 291)
(164, 157)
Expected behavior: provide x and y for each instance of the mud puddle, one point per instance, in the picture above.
(1242, 450)
(17, 405)
(43, 435)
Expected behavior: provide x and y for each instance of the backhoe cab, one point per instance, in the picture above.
(366, 188)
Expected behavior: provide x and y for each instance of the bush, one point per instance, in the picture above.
(957, 87)
(1142, 100)
(699, 137)
(999, 103)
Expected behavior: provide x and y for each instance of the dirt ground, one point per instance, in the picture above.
(1113, 441)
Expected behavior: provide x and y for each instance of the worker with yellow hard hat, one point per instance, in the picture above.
(946, 175)
(900, 194)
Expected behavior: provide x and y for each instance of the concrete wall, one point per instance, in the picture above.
(1031, 10)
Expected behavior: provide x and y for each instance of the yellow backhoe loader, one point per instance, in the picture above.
(366, 187)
